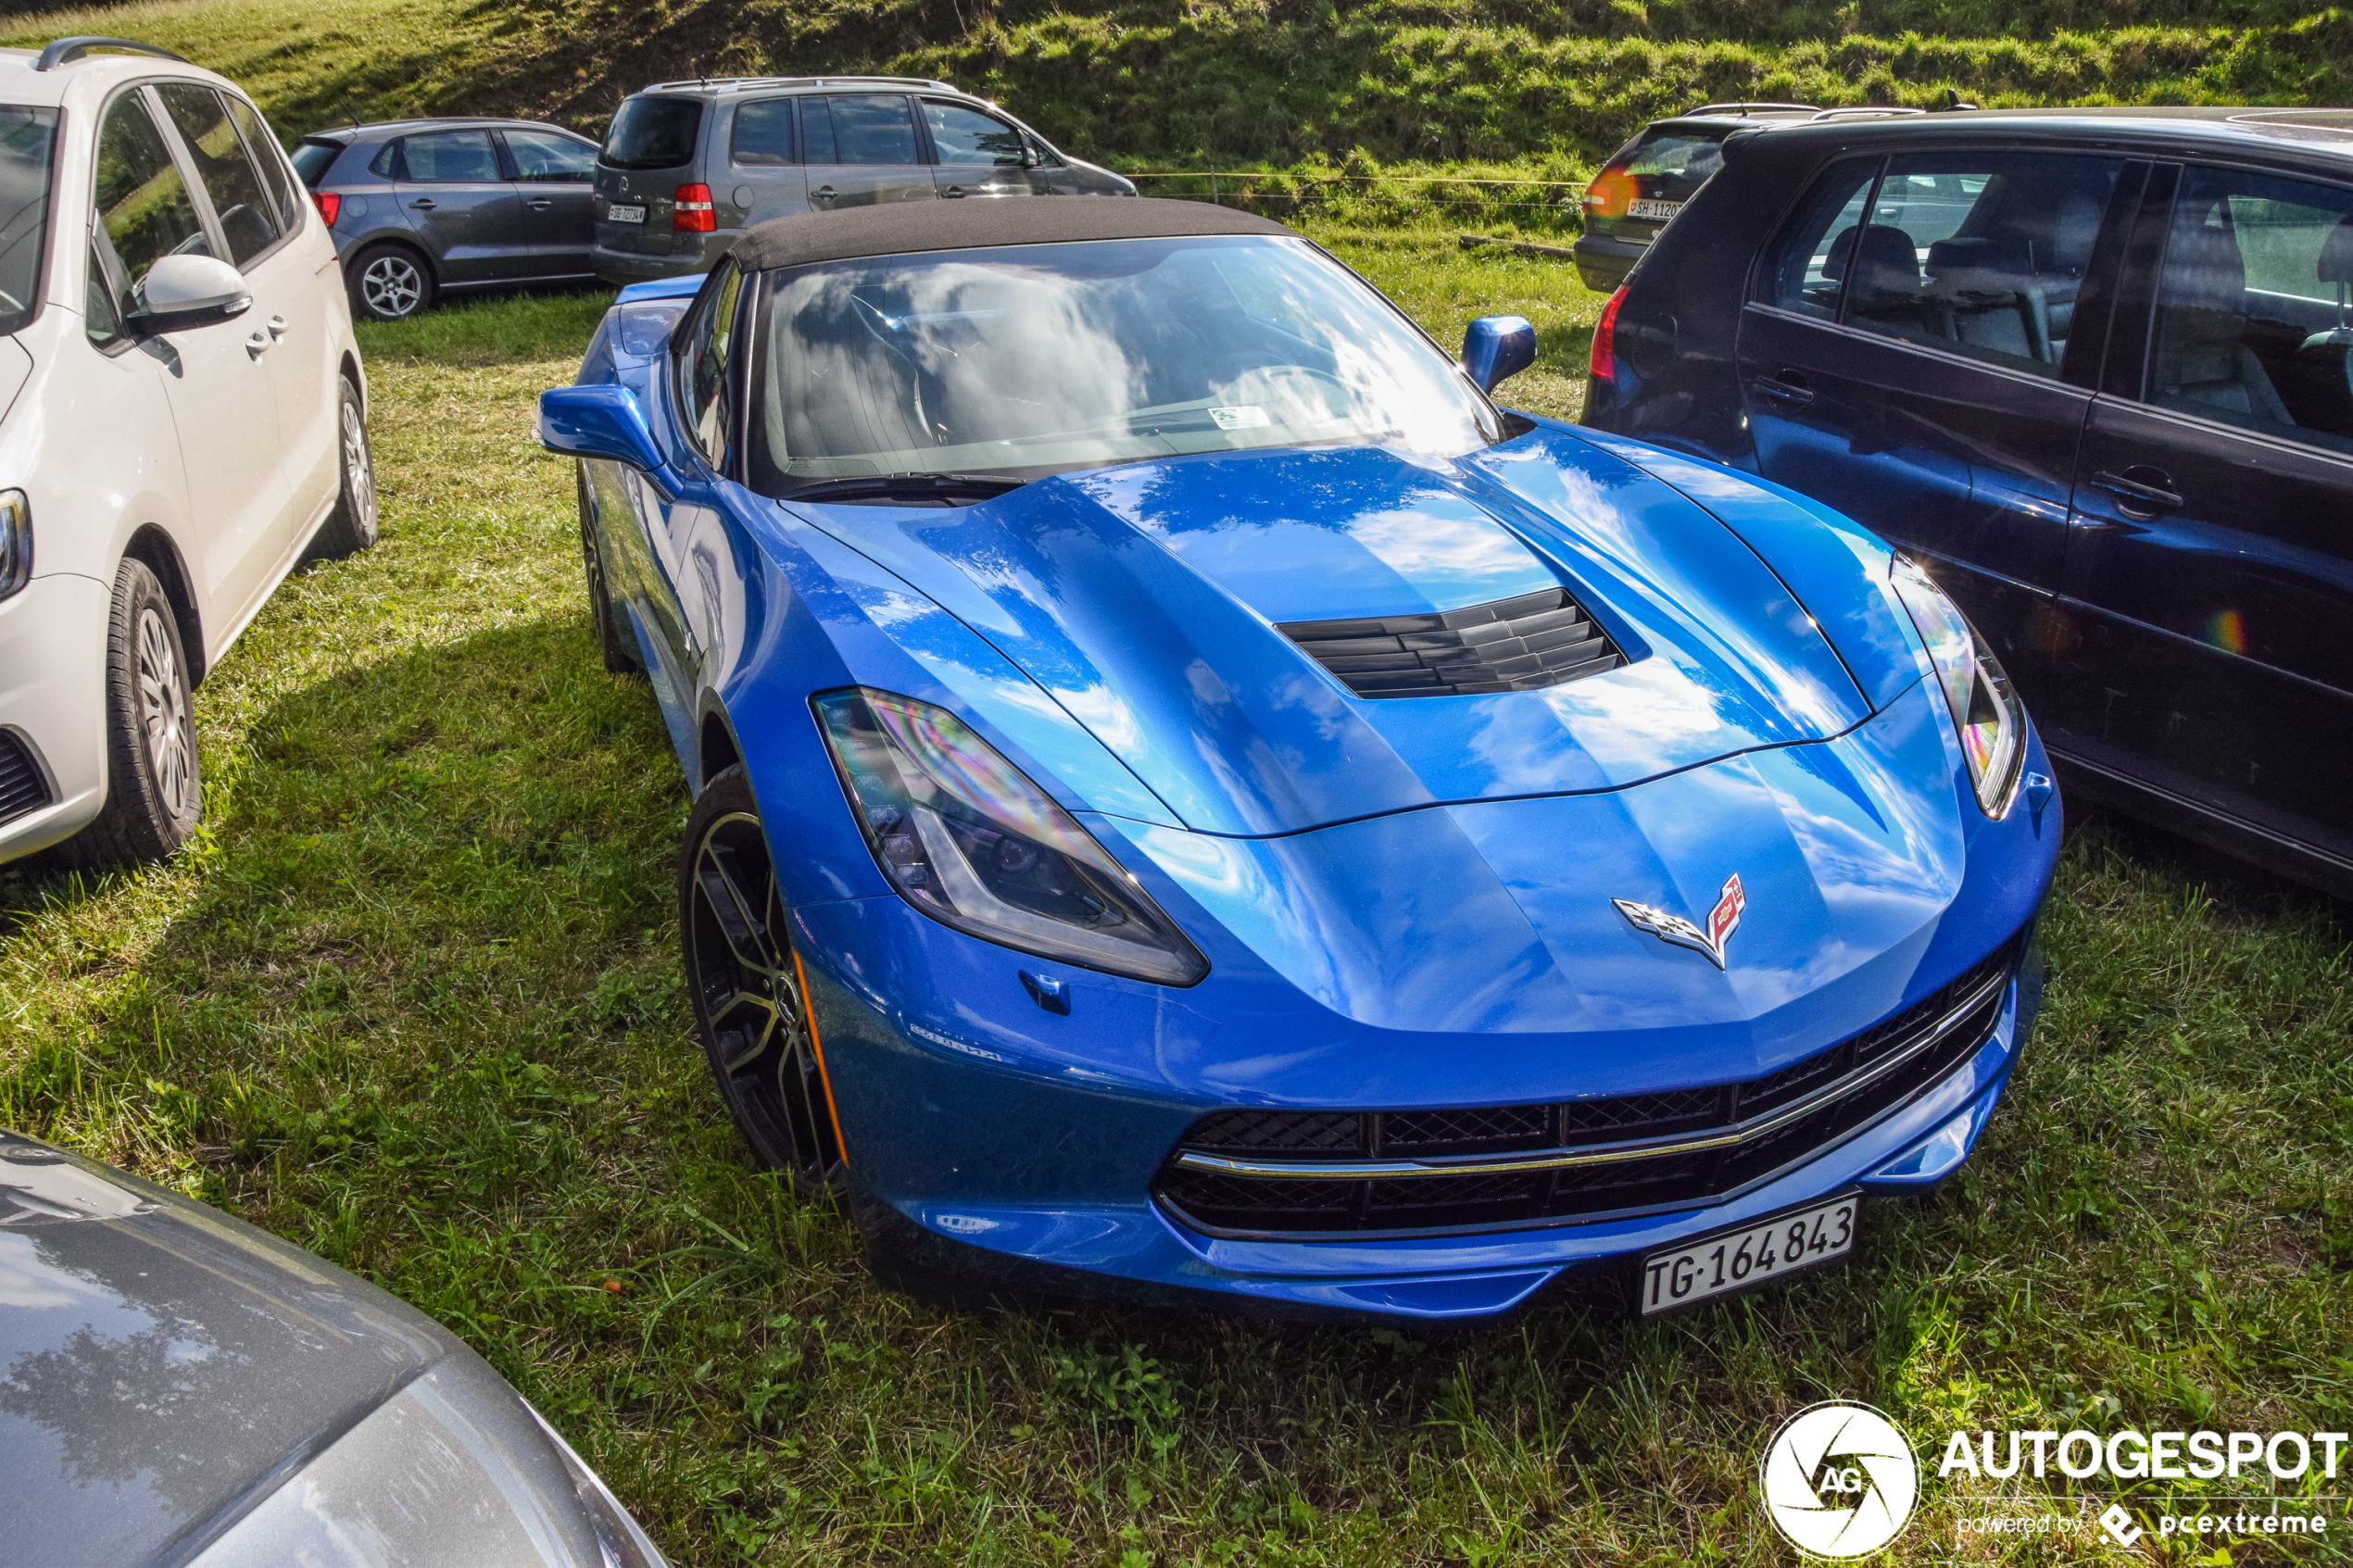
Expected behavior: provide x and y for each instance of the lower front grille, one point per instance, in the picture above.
(22, 789)
(1302, 1174)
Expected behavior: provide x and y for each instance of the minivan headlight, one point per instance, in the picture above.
(1986, 712)
(16, 541)
(968, 840)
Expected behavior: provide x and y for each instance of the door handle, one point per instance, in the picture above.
(541, 202)
(2141, 491)
(1788, 386)
(259, 344)
(822, 193)
(427, 203)
(953, 191)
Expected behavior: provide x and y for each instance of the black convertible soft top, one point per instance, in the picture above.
(902, 228)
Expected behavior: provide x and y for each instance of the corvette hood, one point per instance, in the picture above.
(1147, 599)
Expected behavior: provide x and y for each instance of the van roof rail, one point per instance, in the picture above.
(65, 51)
(740, 83)
(1748, 108)
(1866, 111)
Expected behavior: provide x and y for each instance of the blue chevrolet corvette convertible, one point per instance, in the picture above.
(1192, 796)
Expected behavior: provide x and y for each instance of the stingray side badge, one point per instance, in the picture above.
(1722, 921)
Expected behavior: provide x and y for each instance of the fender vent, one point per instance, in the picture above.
(1518, 645)
(21, 787)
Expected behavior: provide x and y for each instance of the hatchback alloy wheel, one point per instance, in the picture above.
(748, 985)
(392, 286)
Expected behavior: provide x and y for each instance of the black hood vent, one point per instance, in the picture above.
(1518, 645)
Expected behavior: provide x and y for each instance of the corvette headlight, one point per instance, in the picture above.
(968, 840)
(1985, 711)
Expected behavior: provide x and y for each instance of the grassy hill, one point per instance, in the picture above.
(1267, 82)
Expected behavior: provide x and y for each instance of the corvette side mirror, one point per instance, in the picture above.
(1498, 346)
(602, 422)
(182, 291)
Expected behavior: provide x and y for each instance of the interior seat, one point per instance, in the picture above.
(1885, 289)
(2324, 365)
(2202, 356)
(1983, 293)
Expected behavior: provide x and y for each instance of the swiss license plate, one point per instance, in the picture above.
(625, 214)
(1653, 211)
(1754, 1254)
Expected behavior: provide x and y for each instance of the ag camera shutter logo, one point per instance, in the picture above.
(1839, 1480)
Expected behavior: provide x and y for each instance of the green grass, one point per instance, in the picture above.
(412, 1000)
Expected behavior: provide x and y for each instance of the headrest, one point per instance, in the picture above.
(2073, 232)
(1999, 260)
(2336, 254)
(1888, 260)
(2205, 271)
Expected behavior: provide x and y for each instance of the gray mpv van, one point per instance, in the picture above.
(689, 166)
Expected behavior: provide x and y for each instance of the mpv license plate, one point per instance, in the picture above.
(625, 214)
(1754, 1254)
(1651, 211)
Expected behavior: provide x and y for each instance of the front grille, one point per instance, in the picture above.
(22, 789)
(1574, 1159)
(1518, 645)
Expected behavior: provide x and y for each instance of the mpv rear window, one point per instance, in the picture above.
(651, 132)
(1672, 163)
(312, 159)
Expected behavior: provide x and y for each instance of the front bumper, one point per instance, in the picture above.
(53, 705)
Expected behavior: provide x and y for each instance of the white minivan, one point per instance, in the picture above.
(183, 419)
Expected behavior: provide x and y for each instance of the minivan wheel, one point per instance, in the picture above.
(390, 282)
(351, 528)
(155, 784)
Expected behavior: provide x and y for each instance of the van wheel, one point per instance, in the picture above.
(390, 282)
(352, 526)
(155, 784)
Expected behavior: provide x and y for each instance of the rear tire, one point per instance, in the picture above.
(749, 1010)
(352, 527)
(389, 282)
(155, 781)
(613, 638)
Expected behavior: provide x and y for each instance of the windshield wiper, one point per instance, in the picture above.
(918, 487)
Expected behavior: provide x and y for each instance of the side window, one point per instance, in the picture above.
(249, 213)
(543, 157)
(704, 372)
(859, 128)
(2255, 305)
(144, 208)
(271, 158)
(763, 132)
(451, 157)
(1809, 259)
(388, 164)
(99, 317)
(1981, 253)
(966, 137)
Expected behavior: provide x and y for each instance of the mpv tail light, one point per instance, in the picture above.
(694, 214)
(328, 205)
(1610, 193)
(1603, 366)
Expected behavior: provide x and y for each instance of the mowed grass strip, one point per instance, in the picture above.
(413, 1000)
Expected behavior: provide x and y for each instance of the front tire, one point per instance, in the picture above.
(353, 526)
(390, 282)
(154, 780)
(749, 1008)
(614, 640)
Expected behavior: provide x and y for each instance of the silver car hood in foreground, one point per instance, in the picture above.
(178, 1388)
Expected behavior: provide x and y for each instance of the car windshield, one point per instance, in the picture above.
(1032, 359)
(25, 138)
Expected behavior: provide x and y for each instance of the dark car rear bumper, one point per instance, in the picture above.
(1603, 263)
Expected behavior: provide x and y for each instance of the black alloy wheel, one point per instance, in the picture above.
(390, 282)
(613, 639)
(747, 987)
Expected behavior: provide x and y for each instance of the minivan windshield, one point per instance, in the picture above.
(1030, 359)
(26, 135)
(653, 132)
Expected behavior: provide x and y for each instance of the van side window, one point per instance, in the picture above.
(763, 132)
(247, 211)
(1809, 260)
(2255, 305)
(1982, 254)
(144, 210)
(859, 128)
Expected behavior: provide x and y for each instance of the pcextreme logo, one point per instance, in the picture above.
(1839, 1480)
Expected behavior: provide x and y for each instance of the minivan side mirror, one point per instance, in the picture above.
(182, 291)
(1029, 159)
(1495, 347)
(602, 422)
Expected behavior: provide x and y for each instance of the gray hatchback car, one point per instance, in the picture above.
(418, 208)
(689, 166)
